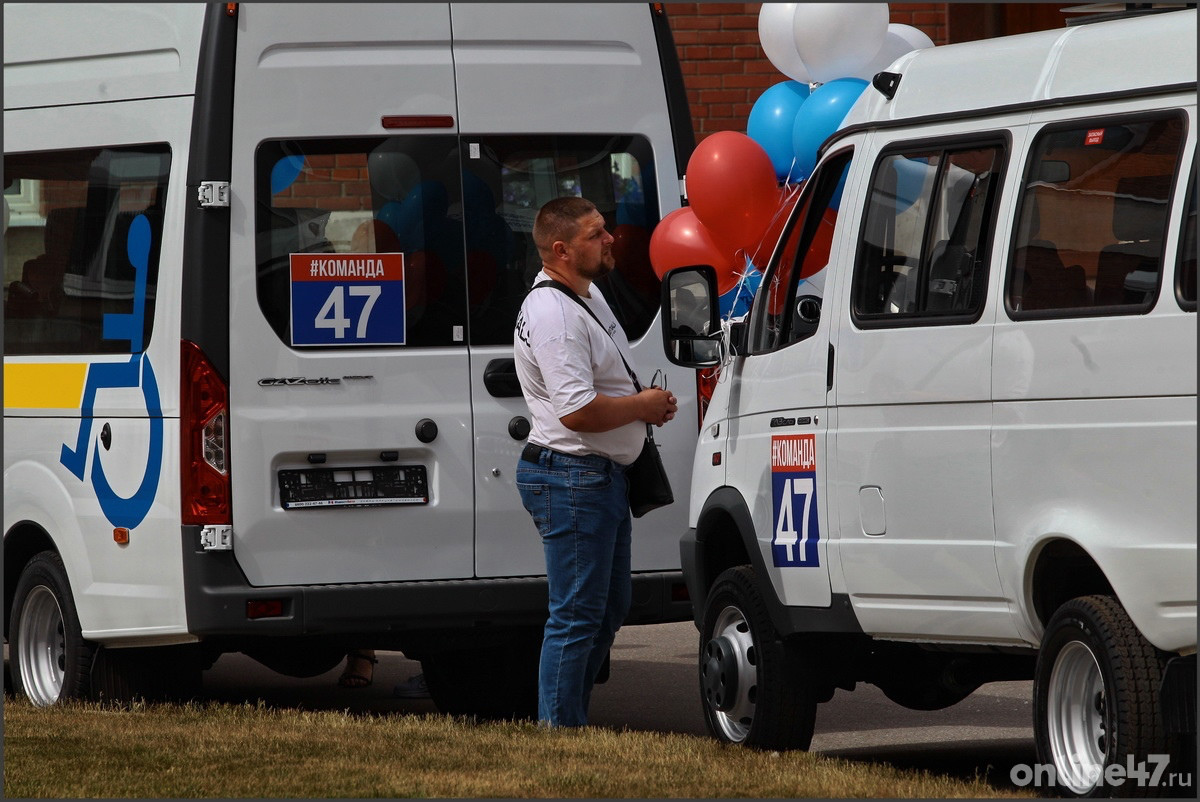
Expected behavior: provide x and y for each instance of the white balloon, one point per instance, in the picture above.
(900, 39)
(916, 38)
(836, 40)
(775, 35)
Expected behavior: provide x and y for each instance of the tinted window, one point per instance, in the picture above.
(81, 248)
(1092, 218)
(1186, 273)
(788, 305)
(394, 195)
(506, 179)
(927, 235)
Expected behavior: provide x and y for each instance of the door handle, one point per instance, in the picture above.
(500, 378)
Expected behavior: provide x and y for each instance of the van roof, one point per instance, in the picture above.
(1097, 58)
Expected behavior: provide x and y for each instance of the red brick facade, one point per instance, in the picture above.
(725, 69)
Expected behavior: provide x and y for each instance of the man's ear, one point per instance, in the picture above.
(560, 249)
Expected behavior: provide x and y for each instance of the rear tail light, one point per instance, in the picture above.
(706, 384)
(204, 431)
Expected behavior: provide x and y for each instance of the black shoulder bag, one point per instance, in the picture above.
(649, 487)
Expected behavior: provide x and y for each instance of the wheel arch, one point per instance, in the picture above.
(22, 541)
(1061, 570)
(724, 535)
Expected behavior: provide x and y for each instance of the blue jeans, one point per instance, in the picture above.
(581, 508)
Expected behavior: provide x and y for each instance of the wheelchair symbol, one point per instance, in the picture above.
(137, 372)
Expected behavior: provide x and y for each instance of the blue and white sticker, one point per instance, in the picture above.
(794, 497)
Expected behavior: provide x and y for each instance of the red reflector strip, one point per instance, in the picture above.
(270, 608)
(418, 121)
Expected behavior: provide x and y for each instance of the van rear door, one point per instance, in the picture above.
(557, 99)
(350, 404)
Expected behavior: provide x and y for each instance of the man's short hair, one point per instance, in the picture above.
(559, 220)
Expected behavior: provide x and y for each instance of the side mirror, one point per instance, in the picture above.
(691, 326)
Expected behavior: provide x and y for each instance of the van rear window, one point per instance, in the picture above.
(460, 213)
(1092, 217)
(506, 179)
(82, 242)
(360, 197)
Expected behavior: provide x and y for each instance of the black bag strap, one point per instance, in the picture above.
(570, 293)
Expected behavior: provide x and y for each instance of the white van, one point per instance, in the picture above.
(954, 439)
(262, 264)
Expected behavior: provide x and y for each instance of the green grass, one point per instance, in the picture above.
(238, 751)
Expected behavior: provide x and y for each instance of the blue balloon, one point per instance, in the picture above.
(818, 118)
(910, 180)
(771, 122)
(285, 171)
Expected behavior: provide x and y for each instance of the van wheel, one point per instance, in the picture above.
(756, 688)
(51, 660)
(1096, 698)
(498, 681)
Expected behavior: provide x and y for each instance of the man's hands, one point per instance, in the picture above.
(660, 405)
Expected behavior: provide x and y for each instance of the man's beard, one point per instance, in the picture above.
(602, 268)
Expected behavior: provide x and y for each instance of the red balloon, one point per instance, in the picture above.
(815, 258)
(731, 185)
(680, 240)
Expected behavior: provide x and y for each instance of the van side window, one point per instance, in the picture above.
(788, 303)
(365, 196)
(84, 246)
(1185, 274)
(506, 179)
(1092, 218)
(927, 235)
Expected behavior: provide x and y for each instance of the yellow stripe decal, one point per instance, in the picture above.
(44, 386)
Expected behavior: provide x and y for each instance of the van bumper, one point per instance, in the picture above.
(218, 599)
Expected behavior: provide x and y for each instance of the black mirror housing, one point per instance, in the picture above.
(691, 318)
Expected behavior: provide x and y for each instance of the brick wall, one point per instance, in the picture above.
(724, 67)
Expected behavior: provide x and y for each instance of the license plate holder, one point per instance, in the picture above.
(370, 486)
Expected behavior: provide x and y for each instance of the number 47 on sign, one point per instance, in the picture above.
(347, 299)
(794, 501)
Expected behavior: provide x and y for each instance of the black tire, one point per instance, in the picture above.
(756, 689)
(1096, 698)
(491, 682)
(51, 661)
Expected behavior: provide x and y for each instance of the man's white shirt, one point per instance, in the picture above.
(563, 360)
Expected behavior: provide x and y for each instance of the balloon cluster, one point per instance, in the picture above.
(839, 46)
(742, 187)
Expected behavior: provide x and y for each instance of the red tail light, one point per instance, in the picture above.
(204, 432)
(706, 384)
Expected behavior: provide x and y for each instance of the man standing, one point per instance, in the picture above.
(589, 422)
